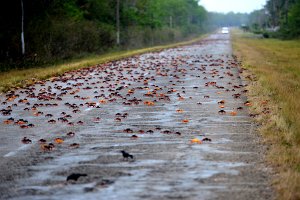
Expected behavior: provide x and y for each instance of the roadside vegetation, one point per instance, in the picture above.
(40, 33)
(63, 29)
(20, 78)
(40, 39)
(278, 19)
(272, 67)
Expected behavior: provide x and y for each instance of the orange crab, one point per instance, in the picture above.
(8, 121)
(196, 141)
(179, 110)
(149, 103)
(59, 140)
(180, 98)
(102, 101)
(233, 113)
(185, 121)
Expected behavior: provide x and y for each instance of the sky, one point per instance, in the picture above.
(232, 5)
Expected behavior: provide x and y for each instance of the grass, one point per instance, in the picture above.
(19, 78)
(273, 68)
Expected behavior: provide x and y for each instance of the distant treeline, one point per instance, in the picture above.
(60, 29)
(279, 18)
(230, 19)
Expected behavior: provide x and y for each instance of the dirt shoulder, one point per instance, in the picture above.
(272, 69)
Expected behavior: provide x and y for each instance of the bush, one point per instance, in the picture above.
(65, 39)
(137, 36)
(266, 35)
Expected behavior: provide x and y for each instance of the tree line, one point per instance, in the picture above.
(280, 18)
(60, 29)
(230, 19)
(38, 32)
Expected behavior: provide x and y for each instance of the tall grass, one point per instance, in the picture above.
(274, 68)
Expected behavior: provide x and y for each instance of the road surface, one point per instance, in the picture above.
(181, 113)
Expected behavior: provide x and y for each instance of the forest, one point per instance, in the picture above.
(279, 18)
(41, 32)
(61, 29)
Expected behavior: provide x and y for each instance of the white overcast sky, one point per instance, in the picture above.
(232, 5)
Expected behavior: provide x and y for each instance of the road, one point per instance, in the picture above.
(181, 113)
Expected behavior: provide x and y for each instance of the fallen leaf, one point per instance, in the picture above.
(233, 113)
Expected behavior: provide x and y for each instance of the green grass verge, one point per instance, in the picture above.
(19, 78)
(274, 72)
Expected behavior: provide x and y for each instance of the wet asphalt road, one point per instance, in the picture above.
(163, 108)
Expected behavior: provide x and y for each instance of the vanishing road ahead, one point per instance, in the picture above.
(181, 113)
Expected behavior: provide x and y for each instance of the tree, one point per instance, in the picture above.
(22, 27)
(61, 29)
(118, 21)
(282, 15)
(294, 20)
